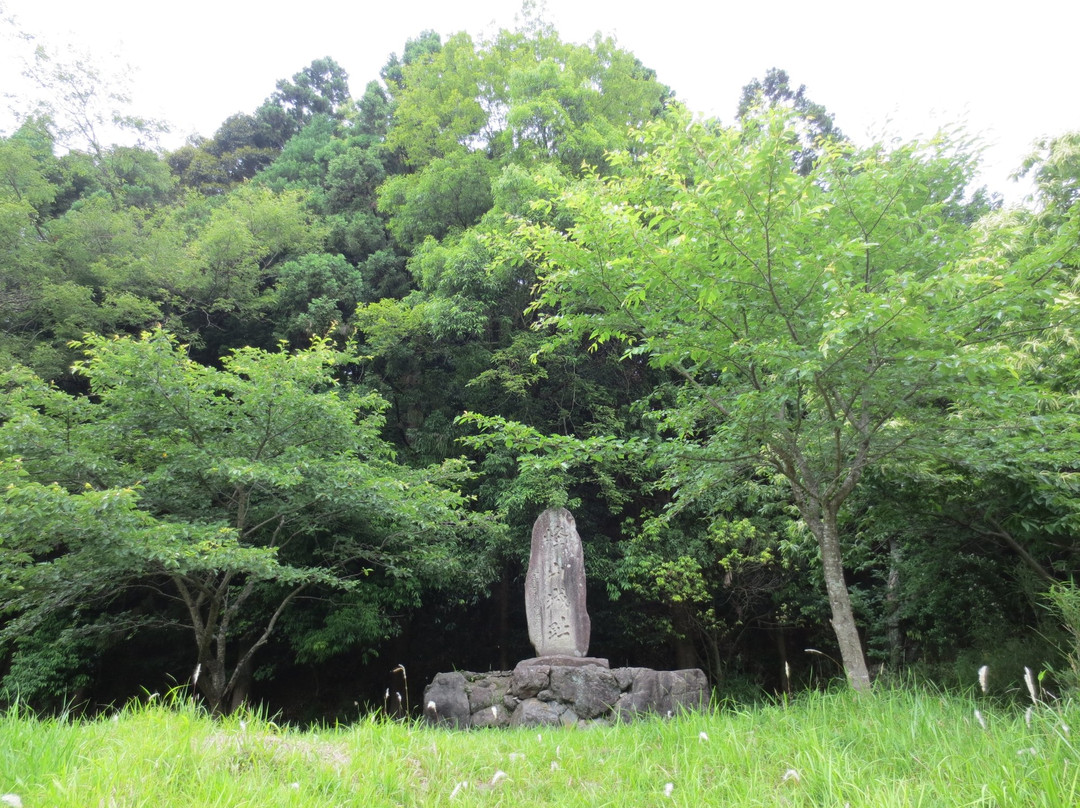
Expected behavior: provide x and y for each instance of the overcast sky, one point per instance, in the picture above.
(1009, 71)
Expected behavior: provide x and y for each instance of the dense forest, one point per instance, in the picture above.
(280, 406)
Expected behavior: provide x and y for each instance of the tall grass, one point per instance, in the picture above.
(901, 747)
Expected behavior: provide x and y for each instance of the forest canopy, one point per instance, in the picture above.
(280, 405)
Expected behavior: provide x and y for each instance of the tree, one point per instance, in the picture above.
(241, 147)
(321, 88)
(474, 122)
(82, 106)
(223, 493)
(237, 252)
(822, 323)
(420, 49)
(438, 103)
(314, 294)
(451, 193)
(1054, 166)
(245, 144)
(25, 194)
(77, 259)
(522, 96)
(815, 126)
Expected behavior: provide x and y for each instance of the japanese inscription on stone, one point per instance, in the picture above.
(555, 587)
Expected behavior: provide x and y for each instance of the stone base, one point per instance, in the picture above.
(563, 661)
(545, 692)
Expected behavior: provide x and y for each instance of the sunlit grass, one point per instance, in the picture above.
(892, 748)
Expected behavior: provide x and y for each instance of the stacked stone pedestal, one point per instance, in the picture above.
(561, 686)
(562, 691)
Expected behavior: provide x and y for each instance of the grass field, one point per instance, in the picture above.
(903, 747)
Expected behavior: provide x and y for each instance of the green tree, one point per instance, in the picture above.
(338, 168)
(237, 252)
(84, 107)
(471, 165)
(25, 196)
(438, 103)
(224, 493)
(815, 126)
(240, 148)
(1054, 166)
(321, 88)
(77, 259)
(314, 294)
(450, 194)
(420, 49)
(823, 323)
(245, 144)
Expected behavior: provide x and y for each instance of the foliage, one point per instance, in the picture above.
(214, 489)
(1054, 166)
(1064, 600)
(245, 144)
(644, 316)
(892, 749)
(822, 323)
(815, 125)
(321, 88)
(81, 105)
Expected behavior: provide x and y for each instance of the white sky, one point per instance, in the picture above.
(1009, 71)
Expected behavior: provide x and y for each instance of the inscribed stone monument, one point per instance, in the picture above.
(561, 686)
(555, 587)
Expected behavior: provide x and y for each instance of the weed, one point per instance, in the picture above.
(897, 747)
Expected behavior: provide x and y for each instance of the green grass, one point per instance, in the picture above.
(892, 748)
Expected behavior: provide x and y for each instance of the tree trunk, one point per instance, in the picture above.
(843, 618)
(242, 678)
(212, 683)
(682, 640)
(892, 607)
(503, 599)
(715, 657)
(685, 653)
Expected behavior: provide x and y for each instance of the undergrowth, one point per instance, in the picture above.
(898, 747)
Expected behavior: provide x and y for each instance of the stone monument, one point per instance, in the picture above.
(561, 686)
(555, 587)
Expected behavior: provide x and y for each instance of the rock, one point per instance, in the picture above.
(684, 690)
(662, 692)
(486, 690)
(592, 692)
(528, 680)
(563, 661)
(555, 587)
(625, 676)
(451, 703)
(539, 694)
(492, 716)
(536, 713)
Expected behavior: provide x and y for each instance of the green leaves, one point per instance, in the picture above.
(822, 317)
(263, 476)
(724, 263)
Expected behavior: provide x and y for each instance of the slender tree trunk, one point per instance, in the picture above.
(212, 684)
(683, 641)
(892, 607)
(241, 686)
(685, 653)
(843, 617)
(819, 503)
(715, 658)
(503, 599)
